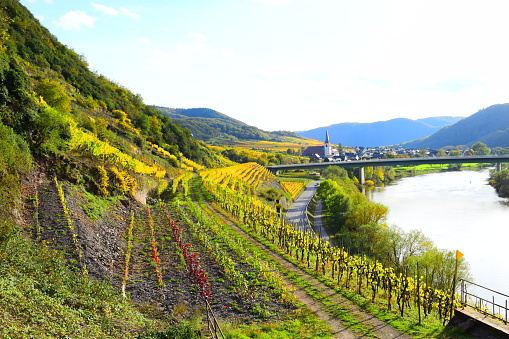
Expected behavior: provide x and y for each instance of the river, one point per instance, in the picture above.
(458, 211)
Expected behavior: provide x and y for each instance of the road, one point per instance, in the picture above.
(297, 213)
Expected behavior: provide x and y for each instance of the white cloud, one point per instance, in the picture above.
(105, 9)
(75, 20)
(129, 14)
(114, 12)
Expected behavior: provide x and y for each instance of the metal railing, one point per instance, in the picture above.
(495, 307)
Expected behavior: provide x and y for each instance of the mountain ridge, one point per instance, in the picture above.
(209, 125)
(489, 125)
(380, 133)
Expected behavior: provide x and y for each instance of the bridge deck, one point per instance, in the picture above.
(395, 162)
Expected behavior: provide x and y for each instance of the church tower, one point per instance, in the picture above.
(327, 146)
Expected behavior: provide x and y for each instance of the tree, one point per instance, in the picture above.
(15, 160)
(334, 172)
(340, 148)
(422, 153)
(339, 206)
(50, 131)
(441, 153)
(397, 247)
(54, 95)
(455, 153)
(366, 213)
(504, 150)
(500, 181)
(480, 148)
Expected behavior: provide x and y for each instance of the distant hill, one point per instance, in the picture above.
(440, 121)
(489, 125)
(380, 133)
(207, 124)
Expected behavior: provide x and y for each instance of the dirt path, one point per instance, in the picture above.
(379, 329)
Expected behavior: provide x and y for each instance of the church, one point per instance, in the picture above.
(321, 152)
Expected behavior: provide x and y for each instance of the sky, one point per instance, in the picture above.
(295, 65)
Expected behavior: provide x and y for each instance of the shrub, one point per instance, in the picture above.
(54, 95)
(50, 131)
(183, 330)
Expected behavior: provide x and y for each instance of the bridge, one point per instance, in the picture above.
(476, 159)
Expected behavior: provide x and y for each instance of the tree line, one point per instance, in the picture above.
(358, 224)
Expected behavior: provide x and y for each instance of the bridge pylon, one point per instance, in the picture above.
(362, 178)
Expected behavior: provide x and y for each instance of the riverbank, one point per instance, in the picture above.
(409, 171)
(457, 210)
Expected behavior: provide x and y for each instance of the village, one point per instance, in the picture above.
(327, 152)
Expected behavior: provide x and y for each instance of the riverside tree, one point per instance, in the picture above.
(500, 181)
(480, 148)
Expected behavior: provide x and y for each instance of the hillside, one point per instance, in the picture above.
(489, 125)
(82, 255)
(209, 125)
(380, 133)
(116, 223)
(440, 121)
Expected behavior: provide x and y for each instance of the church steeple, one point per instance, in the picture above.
(327, 147)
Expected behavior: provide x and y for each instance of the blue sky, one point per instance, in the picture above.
(295, 64)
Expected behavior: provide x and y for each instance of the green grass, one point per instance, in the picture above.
(94, 206)
(41, 298)
(301, 323)
(432, 168)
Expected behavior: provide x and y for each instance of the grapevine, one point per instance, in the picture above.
(215, 239)
(70, 224)
(90, 145)
(128, 254)
(292, 187)
(155, 252)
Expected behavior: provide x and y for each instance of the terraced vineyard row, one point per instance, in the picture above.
(292, 187)
(187, 261)
(244, 175)
(359, 274)
(88, 144)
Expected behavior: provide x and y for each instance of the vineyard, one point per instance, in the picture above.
(89, 145)
(242, 178)
(99, 235)
(396, 292)
(181, 260)
(174, 256)
(292, 187)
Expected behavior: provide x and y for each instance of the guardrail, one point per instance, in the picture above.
(492, 308)
(303, 223)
